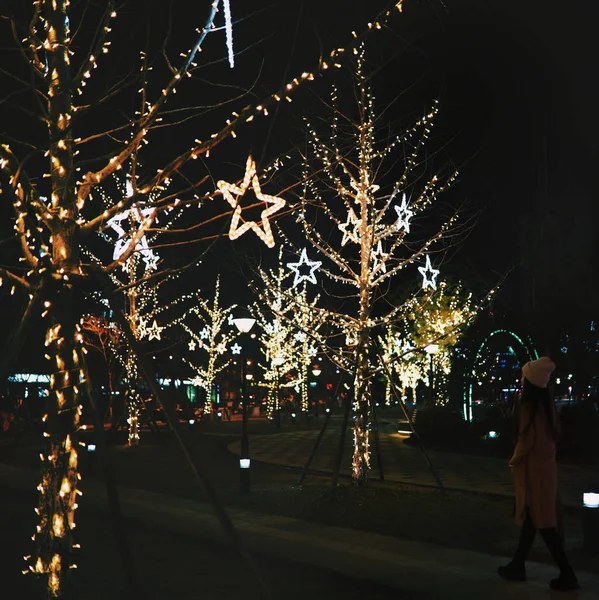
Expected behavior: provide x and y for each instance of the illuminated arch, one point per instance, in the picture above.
(526, 345)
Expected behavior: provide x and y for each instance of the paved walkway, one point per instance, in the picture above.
(406, 464)
(428, 571)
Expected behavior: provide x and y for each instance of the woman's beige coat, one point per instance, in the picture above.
(534, 468)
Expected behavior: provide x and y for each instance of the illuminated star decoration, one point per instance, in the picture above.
(192, 345)
(429, 275)
(204, 333)
(235, 348)
(354, 223)
(154, 331)
(144, 217)
(228, 189)
(404, 214)
(303, 261)
(379, 258)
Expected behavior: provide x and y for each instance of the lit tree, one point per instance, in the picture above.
(105, 337)
(205, 324)
(79, 131)
(276, 336)
(301, 331)
(439, 318)
(346, 182)
(400, 360)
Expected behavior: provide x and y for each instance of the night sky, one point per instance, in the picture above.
(518, 95)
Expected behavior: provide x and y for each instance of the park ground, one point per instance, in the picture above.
(181, 566)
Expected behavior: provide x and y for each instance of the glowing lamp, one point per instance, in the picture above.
(590, 520)
(244, 463)
(431, 348)
(590, 500)
(244, 324)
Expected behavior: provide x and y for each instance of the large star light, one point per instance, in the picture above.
(429, 275)
(232, 193)
(297, 268)
(143, 216)
(404, 214)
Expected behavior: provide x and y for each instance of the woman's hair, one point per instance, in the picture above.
(538, 396)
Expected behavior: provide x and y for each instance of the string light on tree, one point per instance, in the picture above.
(55, 233)
(212, 340)
(343, 187)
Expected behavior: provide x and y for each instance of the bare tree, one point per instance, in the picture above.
(365, 246)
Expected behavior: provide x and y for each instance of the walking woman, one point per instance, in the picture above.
(535, 476)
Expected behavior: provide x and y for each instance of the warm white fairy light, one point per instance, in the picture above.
(291, 337)
(341, 187)
(299, 268)
(207, 325)
(233, 193)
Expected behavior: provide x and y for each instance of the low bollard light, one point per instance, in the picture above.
(91, 456)
(590, 520)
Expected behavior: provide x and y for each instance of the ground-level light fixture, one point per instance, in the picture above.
(590, 516)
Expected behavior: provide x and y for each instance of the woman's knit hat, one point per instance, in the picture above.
(538, 372)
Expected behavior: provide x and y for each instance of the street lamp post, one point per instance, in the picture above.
(431, 349)
(244, 325)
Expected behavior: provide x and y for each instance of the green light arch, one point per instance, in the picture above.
(527, 346)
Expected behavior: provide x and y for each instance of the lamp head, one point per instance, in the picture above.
(244, 324)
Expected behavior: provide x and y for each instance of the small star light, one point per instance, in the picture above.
(204, 334)
(379, 258)
(404, 214)
(311, 264)
(235, 348)
(192, 345)
(231, 320)
(300, 336)
(228, 189)
(429, 275)
(352, 222)
(154, 331)
(141, 215)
